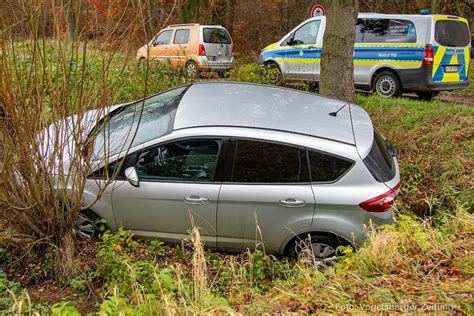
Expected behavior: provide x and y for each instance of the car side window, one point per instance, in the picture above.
(263, 162)
(306, 34)
(358, 32)
(163, 38)
(189, 160)
(387, 31)
(326, 168)
(181, 37)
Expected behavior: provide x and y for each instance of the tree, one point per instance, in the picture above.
(70, 7)
(337, 68)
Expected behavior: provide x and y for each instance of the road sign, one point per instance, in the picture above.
(318, 10)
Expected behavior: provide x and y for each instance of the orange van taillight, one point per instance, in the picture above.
(202, 50)
(382, 202)
(428, 56)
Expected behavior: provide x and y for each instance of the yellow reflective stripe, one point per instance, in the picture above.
(400, 63)
(466, 61)
(445, 17)
(299, 60)
(452, 76)
(437, 59)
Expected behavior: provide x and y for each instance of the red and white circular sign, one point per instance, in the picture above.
(318, 10)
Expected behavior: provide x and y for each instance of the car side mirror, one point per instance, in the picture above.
(290, 42)
(132, 176)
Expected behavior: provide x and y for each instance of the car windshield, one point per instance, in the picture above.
(137, 123)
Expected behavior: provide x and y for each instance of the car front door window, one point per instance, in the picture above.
(191, 160)
(163, 38)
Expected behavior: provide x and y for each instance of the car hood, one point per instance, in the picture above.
(60, 145)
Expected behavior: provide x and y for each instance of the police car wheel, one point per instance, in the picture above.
(387, 85)
(274, 74)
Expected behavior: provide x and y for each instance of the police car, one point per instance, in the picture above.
(393, 53)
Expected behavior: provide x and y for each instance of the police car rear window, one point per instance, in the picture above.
(452, 33)
(385, 31)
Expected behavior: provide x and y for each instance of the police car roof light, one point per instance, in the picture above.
(424, 11)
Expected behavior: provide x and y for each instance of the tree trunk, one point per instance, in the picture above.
(337, 68)
(70, 19)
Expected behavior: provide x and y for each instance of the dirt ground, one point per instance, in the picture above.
(461, 98)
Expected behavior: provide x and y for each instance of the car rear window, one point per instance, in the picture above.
(326, 168)
(216, 36)
(379, 161)
(452, 33)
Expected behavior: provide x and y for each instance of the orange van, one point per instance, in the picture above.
(193, 47)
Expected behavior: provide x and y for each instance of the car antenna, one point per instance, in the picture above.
(335, 113)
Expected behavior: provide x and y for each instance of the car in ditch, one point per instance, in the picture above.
(248, 164)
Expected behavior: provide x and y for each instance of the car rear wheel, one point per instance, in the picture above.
(387, 85)
(427, 95)
(192, 69)
(322, 248)
(86, 225)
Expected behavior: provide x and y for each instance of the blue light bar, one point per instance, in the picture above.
(424, 11)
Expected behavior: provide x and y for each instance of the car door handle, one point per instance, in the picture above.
(312, 47)
(291, 202)
(193, 199)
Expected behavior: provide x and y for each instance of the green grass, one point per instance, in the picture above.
(416, 262)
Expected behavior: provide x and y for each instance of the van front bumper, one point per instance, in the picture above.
(419, 80)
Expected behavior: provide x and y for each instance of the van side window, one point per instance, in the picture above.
(326, 168)
(388, 31)
(181, 37)
(262, 162)
(163, 39)
(359, 29)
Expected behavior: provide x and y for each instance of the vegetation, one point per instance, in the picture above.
(421, 262)
(424, 261)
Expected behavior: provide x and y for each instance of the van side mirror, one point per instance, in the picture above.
(132, 176)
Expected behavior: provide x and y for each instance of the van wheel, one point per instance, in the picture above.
(87, 227)
(387, 85)
(274, 74)
(323, 248)
(427, 95)
(191, 69)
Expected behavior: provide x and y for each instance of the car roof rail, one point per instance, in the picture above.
(183, 24)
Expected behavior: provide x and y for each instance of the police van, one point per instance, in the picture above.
(393, 53)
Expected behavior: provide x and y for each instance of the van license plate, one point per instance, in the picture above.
(450, 68)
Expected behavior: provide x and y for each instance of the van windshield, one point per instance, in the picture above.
(452, 33)
(216, 36)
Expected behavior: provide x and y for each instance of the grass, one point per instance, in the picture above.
(422, 262)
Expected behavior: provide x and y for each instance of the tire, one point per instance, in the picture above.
(324, 249)
(191, 69)
(142, 62)
(274, 74)
(86, 226)
(427, 95)
(387, 85)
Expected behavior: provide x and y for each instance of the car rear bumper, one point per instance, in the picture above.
(206, 64)
(418, 80)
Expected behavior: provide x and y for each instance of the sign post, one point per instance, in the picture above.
(318, 10)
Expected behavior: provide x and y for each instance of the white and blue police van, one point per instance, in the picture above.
(393, 53)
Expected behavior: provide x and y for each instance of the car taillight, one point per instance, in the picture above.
(382, 202)
(428, 56)
(202, 50)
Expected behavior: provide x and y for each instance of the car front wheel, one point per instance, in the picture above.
(86, 226)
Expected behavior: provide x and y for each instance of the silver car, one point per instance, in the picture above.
(248, 164)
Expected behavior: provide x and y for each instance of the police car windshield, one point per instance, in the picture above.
(452, 33)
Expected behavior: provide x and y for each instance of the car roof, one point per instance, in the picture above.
(265, 107)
